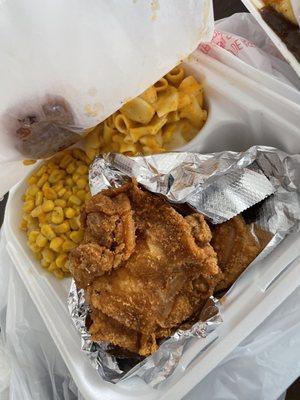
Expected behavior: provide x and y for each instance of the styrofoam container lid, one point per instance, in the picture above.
(254, 7)
(94, 54)
(91, 55)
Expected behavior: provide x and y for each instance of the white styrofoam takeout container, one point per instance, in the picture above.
(254, 7)
(241, 113)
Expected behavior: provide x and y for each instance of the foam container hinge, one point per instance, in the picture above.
(254, 7)
(241, 114)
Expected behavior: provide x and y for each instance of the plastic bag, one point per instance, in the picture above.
(31, 367)
(242, 44)
(260, 368)
(67, 65)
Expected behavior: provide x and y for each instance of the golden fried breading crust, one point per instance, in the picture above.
(153, 268)
(236, 247)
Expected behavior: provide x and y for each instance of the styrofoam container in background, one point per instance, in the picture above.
(241, 114)
(254, 7)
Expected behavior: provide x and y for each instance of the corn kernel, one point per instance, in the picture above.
(41, 170)
(77, 210)
(76, 177)
(76, 236)
(59, 185)
(56, 175)
(33, 235)
(34, 247)
(47, 231)
(81, 183)
(56, 244)
(60, 202)
(61, 192)
(23, 225)
(48, 255)
(68, 245)
(32, 180)
(74, 223)
(48, 206)
(52, 267)
(58, 273)
(42, 218)
(65, 161)
(32, 190)
(42, 180)
(61, 260)
(74, 200)
(64, 236)
(69, 181)
(67, 195)
(57, 216)
(38, 198)
(45, 186)
(66, 267)
(71, 168)
(79, 154)
(62, 228)
(41, 241)
(49, 193)
(36, 211)
(44, 263)
(29, 162)
(82, 170)
(28, 205)
(81, 194)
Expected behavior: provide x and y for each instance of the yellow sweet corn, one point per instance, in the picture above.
(28, 205)
(56, 244)
(68, 245)
(57, 216)
(61, 260)
(48, 255)
(48, 206)
(76, 236)
(47, 231)
(62, 228)
(41, 240)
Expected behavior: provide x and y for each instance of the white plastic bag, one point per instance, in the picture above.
(260, 368)
(31, 367)
(242, 44)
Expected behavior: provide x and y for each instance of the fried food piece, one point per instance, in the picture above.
(109, 237)
(236, 247)
(283, 7)
(110, 330)
(151, 271)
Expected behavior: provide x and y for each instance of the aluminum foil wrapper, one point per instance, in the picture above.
(262, 182)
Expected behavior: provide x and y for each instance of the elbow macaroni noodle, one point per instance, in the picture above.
(167, 113)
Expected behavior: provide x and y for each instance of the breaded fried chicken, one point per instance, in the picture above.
(236, 247)
(145, 267)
